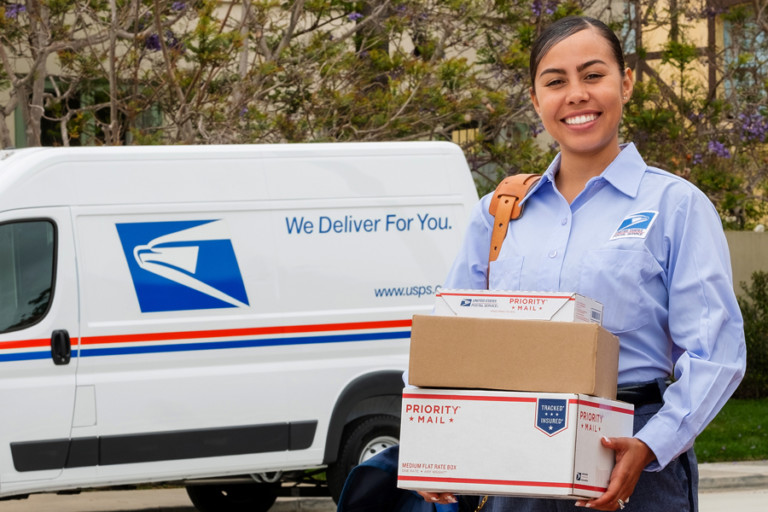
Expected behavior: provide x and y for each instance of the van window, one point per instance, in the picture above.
(27, 265)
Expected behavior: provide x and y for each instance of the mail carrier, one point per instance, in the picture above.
(187, 313)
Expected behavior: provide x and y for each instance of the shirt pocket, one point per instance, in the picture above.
(618, 278)
(504, 273)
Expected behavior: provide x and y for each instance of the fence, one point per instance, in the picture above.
(749, 253)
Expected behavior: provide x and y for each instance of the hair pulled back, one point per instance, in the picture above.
(564, 28)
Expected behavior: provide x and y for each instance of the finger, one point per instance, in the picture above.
(620, 445)
(595, 505)
(447, 497)
(434, 497)
(429, 496)
(602, 504)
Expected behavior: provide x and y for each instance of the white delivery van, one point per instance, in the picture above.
(188, 313)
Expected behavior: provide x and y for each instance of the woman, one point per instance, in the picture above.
(646, 244)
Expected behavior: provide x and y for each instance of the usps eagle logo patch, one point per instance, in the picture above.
(636, 225)
(551, 415)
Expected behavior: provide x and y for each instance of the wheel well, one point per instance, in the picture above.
(377, 393)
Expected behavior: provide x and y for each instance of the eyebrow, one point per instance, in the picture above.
(579, 68)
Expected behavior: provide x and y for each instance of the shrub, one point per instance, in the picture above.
(754, 308)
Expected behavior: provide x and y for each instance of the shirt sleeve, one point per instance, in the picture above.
(706, 328)
(470, 267)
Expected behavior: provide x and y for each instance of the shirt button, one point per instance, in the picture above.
(552, 253)
(564, 221)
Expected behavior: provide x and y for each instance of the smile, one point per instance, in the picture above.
(581, 119)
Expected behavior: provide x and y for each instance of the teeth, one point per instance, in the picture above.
(580, 119)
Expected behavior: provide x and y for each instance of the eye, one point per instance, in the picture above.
(594, 76)
(553, 83)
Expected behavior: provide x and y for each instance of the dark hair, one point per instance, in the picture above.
(566, 27)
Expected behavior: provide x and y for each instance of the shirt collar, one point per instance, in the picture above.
(624, 173)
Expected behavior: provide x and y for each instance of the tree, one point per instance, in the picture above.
(203, 71)
(702, 112)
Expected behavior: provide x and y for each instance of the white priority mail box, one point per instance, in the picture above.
(508, 443)
(554, 306)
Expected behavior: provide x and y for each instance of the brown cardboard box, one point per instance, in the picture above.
(513, 355)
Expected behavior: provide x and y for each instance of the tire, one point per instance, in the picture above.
(360, 441)
(253, 497)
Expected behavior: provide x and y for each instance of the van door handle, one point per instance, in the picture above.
(61, 348)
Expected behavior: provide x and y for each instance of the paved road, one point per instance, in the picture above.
(175, 500)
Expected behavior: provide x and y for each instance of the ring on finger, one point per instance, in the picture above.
(621, 504)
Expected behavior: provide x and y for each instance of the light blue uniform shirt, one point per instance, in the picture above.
(650, 247)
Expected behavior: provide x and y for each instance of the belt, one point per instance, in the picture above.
(641, 394)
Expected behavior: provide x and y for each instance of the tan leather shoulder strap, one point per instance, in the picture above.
(505, 206)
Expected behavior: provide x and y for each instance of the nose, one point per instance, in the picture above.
(577, 92)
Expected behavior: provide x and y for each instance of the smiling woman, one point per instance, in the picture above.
(580, 100)
(602, 223)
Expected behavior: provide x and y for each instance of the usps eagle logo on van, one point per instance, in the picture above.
(636, 225)
(182, 265)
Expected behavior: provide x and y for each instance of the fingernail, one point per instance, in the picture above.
(606, 439)
(452, 499)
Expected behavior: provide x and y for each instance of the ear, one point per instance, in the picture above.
(627, 85)
(534, 100)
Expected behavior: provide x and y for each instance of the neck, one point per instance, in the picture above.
(577, 169)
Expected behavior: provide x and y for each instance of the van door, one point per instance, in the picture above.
(38, 345)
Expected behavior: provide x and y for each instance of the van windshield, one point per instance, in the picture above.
(26, 272)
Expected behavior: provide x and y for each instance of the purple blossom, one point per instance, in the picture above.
(355, 16)
(179, 6)
(551, 6)
(243, 111)
(753, 127)
(697, 159)
(13, 10)
(537, 129)
(719, 149)
(152, 43)
(547, 8)
(173, 42)
(711, 12)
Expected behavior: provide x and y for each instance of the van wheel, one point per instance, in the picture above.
(254, 497)
(361, 440)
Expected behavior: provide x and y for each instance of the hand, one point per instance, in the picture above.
(632, 456)
(442, 498)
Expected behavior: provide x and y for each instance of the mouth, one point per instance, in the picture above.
(580, 119)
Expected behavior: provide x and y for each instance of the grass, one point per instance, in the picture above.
(738, 432)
